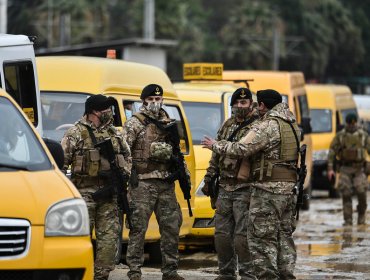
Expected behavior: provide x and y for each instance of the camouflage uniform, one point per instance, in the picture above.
(231, 207)
(151, 194)
(351, 148)
(86, 163)
(270, 143)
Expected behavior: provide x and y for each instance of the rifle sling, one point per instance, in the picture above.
(91, 133)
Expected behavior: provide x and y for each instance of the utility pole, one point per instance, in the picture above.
(50, 23)
(275, 44)
(3, 15)
(149, 20)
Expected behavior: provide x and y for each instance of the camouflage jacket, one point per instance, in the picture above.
(358, 142)
(264, 136)
(135, 133)
(227, 165)
(77, 143)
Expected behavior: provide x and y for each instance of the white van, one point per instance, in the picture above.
(18, 76)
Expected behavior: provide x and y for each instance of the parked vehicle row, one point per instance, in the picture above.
(41, 197)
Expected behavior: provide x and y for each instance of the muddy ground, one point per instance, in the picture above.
(326, 249)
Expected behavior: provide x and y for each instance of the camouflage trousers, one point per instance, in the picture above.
(271, 224)
(104, 217)
(158, 196)
(353, 178)
(231, 233)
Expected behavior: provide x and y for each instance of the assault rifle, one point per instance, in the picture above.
(302, 172)
(179, 172)
(117, 180)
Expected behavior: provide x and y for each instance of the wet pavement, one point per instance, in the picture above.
(326, 249)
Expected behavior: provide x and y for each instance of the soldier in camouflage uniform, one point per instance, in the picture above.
(350, 146)
(272, 146)
(87, 165)
(233, 198)
(151, 191)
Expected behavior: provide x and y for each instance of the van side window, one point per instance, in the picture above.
(19, 80)
(303, 105)
(337, 119)
(175, 113)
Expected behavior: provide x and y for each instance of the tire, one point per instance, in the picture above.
(154, 251)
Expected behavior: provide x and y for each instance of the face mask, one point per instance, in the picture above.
(240, 112)
(128, 114)
(154, 107)
(351, 128)
(106, 117)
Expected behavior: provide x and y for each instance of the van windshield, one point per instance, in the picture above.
(204, 119)
(19, 146)
(321, 120)
(60, 110)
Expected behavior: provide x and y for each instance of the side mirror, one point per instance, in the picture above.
(306, 125)
(56, 151)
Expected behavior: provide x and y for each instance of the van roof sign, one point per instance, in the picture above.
(203, 71)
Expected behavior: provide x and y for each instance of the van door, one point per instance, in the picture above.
(18, 74)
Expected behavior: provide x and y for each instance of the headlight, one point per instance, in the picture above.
(199, 189)
(320, 155)
(67, 218)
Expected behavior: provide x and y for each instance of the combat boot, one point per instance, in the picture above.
(174, 276)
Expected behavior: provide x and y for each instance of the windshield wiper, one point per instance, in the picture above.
(11, 166)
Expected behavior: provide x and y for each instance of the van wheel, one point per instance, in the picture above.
(154, 251)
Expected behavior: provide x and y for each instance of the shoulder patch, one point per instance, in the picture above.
(84, 134)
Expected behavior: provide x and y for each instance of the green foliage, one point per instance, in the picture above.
(238, 33)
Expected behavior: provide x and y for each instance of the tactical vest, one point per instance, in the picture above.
(87, 161)
(141, 150)
(283, 169)
(229, 165)
(352, 147)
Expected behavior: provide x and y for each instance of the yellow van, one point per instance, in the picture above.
(329, 105)
(291, 86)
(44, 225)
(66, 82)
(206, 102)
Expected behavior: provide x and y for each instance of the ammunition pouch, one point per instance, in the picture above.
(352, 155)
(275, 174)
(160, 151)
